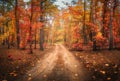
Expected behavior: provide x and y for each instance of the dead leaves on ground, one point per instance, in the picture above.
(14, 73)
(102, 65)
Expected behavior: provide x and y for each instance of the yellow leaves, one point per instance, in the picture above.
(76, 12)
(10, 31)
(99, 34)
(66, 15)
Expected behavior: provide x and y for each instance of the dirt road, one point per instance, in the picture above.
(59, 65)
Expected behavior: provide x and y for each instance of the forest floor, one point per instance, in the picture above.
(57, 63)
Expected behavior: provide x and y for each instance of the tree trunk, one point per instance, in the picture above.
(41, 39)
(104, 15)
(84, 24)
(3, 29)
(41, 30)
(35, 39)
(93, 20)
(17, 24)
(30, 31)
(8, 41)
(110, 26)
(111, 34)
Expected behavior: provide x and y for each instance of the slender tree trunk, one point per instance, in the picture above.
(17, 24)
(8, 41)
(41, 30)
(41, 39)
(30, 31)
(111, 34)
(3, 29)
(104, 15)
(93, 20)
(84, 24)
(110, 26)
(35, 39)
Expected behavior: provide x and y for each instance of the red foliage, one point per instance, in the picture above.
(77, 46)
(117, 42)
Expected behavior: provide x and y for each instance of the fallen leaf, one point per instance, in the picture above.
(29, 74)
(76, 75)
(76, 65)
(103, 72)
(29, 78)
(106, 65)
(108, 78)
(44, 76)
(4, 80)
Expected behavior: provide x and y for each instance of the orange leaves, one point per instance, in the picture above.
(21, 11)
(99, 35)
(36, 8)
(77, 46)
(76, 32)
(66, 15)
(93, 27)
(75, 10)
(36, 25)
(100, 40)
(39, 24)
(2, 18)
(25, 22)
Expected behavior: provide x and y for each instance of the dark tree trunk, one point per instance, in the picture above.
(30, 31)
(111, 34)
(94, 20)
(8, 41)
(84, 24)
(3, 29)
(35, 40)
(110, 26)
(104, 15)
(41, 39)
(41, 30)
(17, 24)
(91, 19)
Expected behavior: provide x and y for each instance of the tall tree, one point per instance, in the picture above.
(84, 24)
(94, 22)
(41, 29)
(30, 30)
(103, 16)
(91, 19)
(17, 24)
(111, 4)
